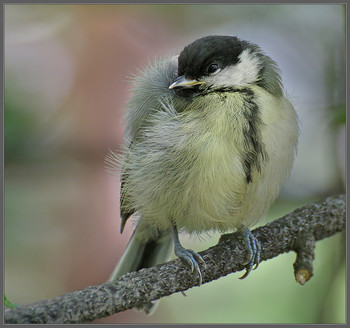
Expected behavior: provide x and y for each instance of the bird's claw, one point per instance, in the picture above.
(252, 246)
(192, 258)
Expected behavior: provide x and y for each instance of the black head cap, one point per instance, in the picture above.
(195, 59)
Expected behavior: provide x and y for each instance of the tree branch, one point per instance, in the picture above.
(296, 231)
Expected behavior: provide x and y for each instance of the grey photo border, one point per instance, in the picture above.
(183, 2)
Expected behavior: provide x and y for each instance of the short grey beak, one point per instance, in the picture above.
(182, 82)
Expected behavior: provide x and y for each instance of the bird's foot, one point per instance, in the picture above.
(191, 257)
(252, 246)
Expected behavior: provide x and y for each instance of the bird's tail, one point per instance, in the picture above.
(143, 254)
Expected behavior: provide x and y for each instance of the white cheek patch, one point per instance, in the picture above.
(241, 74)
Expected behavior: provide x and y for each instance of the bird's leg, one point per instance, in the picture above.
(190, 256)
(252, 246)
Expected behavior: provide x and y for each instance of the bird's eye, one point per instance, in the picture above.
(213, 68)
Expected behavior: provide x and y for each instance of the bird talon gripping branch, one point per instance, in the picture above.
(252, 246)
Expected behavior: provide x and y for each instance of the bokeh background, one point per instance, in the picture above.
(67, 70)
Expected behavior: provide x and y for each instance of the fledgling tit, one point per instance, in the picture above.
(209, 141)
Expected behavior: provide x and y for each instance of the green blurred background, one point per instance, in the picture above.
(67, 71)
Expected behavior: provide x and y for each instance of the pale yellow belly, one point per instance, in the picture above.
(209, 190)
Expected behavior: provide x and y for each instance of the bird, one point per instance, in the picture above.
(209, 140)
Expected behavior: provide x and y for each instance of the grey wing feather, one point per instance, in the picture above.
(151, 88)
(125, 209)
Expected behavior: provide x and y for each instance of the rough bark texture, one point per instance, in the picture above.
(296, 231)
